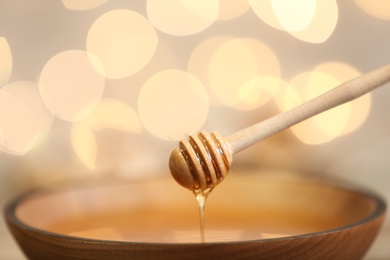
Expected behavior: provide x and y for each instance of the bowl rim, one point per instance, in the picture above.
(9, 212)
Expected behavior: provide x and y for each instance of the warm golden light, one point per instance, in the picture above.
(325, 126)
(171, 236)
(294, 15)
(285, 96)
(360, 108)
(173, 104)
(182, 17)
(100, 91)
(10, 108)
(5, 61)
(322, 25)
(236, 66)
(378, 8)
(308, 20)
(124, 41)
(339, 121)
(111, 114)
(199, 61)
(258, 91)
(230, 9)
(23, 118)
(263, 9)
(126, 89)
(334, 121)
(68, 83)
(82, 5)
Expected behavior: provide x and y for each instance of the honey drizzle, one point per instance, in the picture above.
(201, 196)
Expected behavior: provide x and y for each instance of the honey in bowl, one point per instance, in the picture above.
(265, 205)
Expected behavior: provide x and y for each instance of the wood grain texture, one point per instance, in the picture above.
(351, 221)
(349, 244)
(195, 164)
(343, 93)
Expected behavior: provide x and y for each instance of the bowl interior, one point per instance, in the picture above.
(247, 206)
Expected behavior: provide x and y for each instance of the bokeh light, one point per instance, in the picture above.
(82, 5)
(124, 41)
(172, 104)
(294, 15)
(93, 89)
(70, 87)
(314, 24)
(236, 65)
(333, 123)
(198, 63)
(325, 126)
(24, 120)
(109, 114)
(263, 9)
(361, 107)
(378, 8)
(126, 89)
(287, 97)
(258, 91)
(230, 9)
(322, 25)
(5, 61)
(182, 17)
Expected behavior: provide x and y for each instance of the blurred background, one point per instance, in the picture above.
(106, 88)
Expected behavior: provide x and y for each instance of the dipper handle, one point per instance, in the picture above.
(345, 92)
(202, 161)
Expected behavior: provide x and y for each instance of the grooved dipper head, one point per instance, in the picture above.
(200, 162)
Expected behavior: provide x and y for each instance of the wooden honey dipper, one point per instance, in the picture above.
(203, 161)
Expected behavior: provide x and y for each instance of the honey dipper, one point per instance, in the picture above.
(202, 161)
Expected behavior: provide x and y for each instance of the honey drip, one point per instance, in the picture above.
(201, 197)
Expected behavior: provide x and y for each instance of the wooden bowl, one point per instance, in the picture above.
(252, 215)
